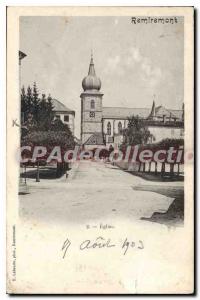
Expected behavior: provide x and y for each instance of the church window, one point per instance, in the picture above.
(119, 127)
(92, 114)
(109, 128)
(92, 104)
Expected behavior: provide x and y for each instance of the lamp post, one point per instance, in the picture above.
(38, 172)
(21, 56)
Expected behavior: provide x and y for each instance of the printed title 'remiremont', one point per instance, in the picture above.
(154, 20)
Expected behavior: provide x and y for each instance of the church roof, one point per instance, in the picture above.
(124, 112)
(161, 111)
(58, 106)
(178, 113)
(175, 113)
(95, 139)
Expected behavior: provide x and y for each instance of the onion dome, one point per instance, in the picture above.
(91, 82)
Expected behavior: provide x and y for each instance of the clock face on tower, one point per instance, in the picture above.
(92, 114)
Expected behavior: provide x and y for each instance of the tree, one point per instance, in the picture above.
(166, 143)
(50, 107)
(45, 113)
(35, 102)
(58, 125)
(40, 129)
(38, 116)
(175, 143)
(49, 100)
(42, 113)
(137, 132)
(40, 109)
(50, 139)
(29, 100)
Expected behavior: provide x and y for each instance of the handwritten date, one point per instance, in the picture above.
(101, 242)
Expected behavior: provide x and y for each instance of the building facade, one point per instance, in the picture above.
(102, 126)
(63, 113)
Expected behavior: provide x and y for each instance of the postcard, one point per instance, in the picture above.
(100, 150)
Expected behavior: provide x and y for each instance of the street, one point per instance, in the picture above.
(98, 203)
(93, 191)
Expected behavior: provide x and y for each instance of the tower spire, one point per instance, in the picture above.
(91, 67)
(91, 81)
(153, 109)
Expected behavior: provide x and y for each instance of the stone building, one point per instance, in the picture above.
(91, 109)
(102, 126)
(63, 113)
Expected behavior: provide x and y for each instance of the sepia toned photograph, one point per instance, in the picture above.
(100, 150)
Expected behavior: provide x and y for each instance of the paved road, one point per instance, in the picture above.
(93, 191)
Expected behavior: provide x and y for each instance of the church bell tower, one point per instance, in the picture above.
(91, 107)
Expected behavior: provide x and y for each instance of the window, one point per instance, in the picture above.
(110, 139)
(66, 118)
(119, 127)
(182, 132)
(109, 128)
(92, 104)
(58, 117)
(92, 114)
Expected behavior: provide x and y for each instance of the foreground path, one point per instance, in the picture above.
(93, 191)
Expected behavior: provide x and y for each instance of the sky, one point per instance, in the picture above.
(135, 62)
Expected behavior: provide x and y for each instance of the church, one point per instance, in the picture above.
(103, 126)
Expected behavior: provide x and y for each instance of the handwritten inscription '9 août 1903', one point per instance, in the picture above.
(101, 242)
